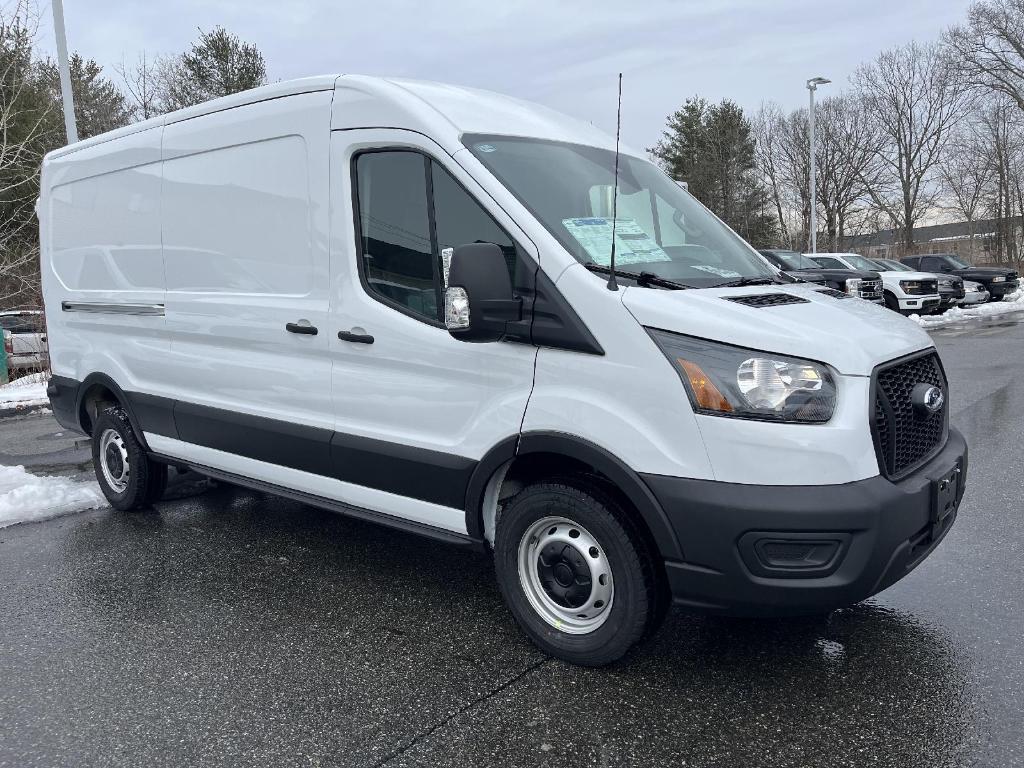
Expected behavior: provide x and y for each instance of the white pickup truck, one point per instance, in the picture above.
(28, 339)
(905, 292)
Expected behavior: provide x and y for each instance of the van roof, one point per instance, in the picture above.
(421, 104)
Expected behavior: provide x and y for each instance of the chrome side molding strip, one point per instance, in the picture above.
(113, 309)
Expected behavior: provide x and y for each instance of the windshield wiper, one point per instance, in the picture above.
(643, 279)
(748, 281)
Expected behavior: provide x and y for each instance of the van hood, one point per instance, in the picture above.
(851, 335)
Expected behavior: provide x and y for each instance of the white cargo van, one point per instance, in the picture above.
(393, 299)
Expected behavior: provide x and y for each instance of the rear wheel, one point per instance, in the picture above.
(127, 476)
(575, 572)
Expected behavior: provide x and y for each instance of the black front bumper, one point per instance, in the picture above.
(998, 290)
(837, 544)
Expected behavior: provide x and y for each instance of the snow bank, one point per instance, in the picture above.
(1013, 302)
(26, 392)
(25, 497)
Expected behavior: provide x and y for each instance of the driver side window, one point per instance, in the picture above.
(409, 210)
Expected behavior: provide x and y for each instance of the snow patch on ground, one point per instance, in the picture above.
(26, 392)
(1013, 302)
(25, 497)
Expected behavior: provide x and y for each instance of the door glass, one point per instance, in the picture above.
(460, 220)
(398, 258)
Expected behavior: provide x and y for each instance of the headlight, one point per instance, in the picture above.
(998, 279)
(910, 285)
(723, 380)
(853, 286)
(946, 282)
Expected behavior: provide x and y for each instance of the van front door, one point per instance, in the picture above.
(415, 410)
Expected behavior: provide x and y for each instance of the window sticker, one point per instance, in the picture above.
(715, 270)
(632, 244)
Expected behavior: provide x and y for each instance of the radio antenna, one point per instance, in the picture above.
(612, 283)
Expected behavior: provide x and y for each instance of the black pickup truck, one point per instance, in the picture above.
(997, 280)
(865, 285)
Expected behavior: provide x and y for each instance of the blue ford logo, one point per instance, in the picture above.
(927, 398)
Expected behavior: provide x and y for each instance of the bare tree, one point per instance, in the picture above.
(847, 157)
(916, 97)
(28, 127)
(142, 84)
(989, 49)
(967, 173)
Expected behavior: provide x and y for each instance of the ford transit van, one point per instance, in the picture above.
(396, 300)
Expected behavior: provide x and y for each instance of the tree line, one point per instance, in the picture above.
(923, 132)
(216, 63)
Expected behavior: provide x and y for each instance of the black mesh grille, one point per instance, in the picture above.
(767, 299)
(834, 293)
(907, 436)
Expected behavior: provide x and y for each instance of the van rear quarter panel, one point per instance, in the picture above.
(100, 243)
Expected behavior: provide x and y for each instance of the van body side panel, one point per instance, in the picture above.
(628, 401)
(245, 195)
(101, 262)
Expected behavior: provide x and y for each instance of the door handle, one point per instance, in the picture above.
(309, 330)
(358, 338)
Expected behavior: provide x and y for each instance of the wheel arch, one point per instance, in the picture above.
(97, 388)
(534, 455)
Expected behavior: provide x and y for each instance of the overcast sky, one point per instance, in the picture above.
(563, 53)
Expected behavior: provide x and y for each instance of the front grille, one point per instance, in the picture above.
(871, 289)
(767, 299)
(905, 437)
(834, 293)
(924, 288)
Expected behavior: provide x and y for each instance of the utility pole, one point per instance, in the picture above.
(65, 72)
(812, 86)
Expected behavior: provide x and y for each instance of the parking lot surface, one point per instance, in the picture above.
(232, 628)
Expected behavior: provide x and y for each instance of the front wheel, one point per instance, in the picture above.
(575, 572)
(892, 302)
(127, 476)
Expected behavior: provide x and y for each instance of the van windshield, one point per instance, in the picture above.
(660, 228)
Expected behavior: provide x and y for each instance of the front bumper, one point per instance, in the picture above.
(859, 538)
(998, 290)
(919, 303)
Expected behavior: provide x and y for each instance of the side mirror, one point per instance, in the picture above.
(478, 300)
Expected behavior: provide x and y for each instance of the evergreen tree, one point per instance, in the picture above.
(100, 106)
(711, 147)
(218, 63)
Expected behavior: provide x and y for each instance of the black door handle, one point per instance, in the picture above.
(358, 338)
(309, 330)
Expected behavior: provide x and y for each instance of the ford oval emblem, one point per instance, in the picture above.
(927, 398)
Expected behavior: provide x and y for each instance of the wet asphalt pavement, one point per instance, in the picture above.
(232, 628)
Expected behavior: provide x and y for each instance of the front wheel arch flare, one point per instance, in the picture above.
(622, 478)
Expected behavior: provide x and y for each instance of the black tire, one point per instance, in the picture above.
(891, 302)
(635, 606)
(145, 479)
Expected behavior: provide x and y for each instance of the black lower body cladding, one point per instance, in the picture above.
(777, 550)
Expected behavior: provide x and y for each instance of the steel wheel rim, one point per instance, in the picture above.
(551, 550)
(114, 460)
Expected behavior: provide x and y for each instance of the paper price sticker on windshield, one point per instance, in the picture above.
(632, 244)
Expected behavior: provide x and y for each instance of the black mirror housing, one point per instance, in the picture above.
(478, 277)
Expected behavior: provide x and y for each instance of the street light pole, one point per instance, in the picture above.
(812, 86)
(65, 72)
